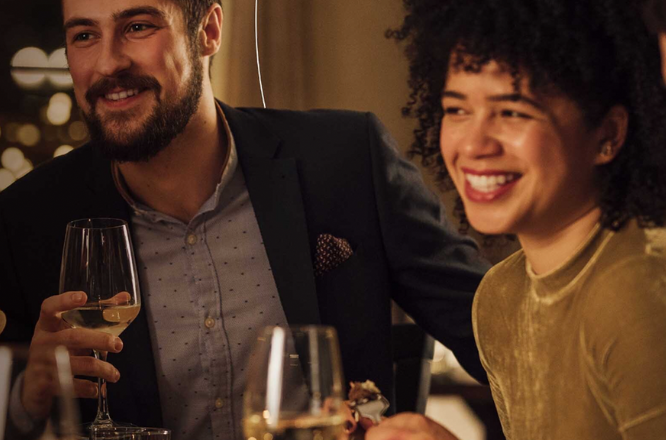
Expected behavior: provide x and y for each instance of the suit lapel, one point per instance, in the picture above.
(274, 188)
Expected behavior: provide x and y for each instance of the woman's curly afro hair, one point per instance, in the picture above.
(598, 53)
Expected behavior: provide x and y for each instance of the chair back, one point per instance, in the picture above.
(413, 350)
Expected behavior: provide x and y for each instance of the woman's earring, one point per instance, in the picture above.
(607, 148)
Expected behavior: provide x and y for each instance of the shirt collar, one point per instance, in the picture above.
(227, 172)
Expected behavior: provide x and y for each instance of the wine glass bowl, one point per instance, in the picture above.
(295, 386)
(98, 260)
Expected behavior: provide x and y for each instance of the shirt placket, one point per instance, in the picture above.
(214, 356)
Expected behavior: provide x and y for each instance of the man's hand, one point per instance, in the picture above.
(409, 426)
(39, 381)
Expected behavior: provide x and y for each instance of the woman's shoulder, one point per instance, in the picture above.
(501, 285)
(628, 284)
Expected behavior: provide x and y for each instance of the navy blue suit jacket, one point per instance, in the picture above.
(307, 173)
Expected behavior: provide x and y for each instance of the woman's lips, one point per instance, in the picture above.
(487, 186)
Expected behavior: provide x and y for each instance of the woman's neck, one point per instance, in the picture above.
(545, 252)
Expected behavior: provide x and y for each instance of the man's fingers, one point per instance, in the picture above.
(120, 299)
(83, 339)
(85, 389)
(52, 308)
(91, 367)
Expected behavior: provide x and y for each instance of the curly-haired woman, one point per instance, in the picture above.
(549, 118)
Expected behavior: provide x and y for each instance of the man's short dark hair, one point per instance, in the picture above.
(194, 11)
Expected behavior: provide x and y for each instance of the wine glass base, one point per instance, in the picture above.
(88, 427)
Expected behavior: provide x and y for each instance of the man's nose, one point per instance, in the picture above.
(111, 58)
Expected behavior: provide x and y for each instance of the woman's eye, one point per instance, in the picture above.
(453, 111)
(515, 114)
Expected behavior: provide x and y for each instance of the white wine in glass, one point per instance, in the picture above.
(294, 387)
(98, 259)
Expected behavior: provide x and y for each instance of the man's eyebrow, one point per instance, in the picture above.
(516, 97)
(76, 21)
(117, 16)
(139, 10)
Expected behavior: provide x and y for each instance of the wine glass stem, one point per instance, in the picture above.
(103, 417)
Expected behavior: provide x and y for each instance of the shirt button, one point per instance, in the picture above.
(209, 322)
(219, 403)
(191, 239)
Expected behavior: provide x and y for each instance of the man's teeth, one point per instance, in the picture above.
(121, 95)
(489, 183)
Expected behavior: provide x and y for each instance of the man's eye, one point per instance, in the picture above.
(139, 27)
(515, 114)
(83, 36)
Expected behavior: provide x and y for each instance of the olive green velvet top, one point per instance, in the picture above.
(580, 352)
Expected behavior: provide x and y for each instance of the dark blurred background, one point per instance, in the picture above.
(37, 115)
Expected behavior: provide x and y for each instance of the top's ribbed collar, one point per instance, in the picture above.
(559, 282)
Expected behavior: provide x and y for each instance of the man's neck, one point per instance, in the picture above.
(180, 179)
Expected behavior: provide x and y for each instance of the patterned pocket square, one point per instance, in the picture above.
(331, 252)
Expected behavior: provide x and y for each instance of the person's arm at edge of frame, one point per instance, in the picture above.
(435, 271)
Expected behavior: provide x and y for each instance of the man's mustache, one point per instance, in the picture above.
(127, 82)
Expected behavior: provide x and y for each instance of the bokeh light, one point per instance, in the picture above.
(6, 178)
(28, 135)
(77, 130)
(62, 150)
(60, 109)
(58, 60)
(25, 169)
(12, 159)
(11, 132)
(22, 64)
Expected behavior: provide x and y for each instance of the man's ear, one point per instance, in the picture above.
(211, 30)
(612, 134)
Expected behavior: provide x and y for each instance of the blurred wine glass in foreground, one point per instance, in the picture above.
(61, 414)
(98, 259)
(295, 386)
(129, 433)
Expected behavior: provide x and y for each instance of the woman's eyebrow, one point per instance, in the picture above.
(452, 94)
(516, 97)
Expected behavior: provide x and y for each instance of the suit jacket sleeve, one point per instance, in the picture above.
(434, 270)
(12, 300)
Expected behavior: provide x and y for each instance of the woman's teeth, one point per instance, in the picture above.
(489, 183)
(121, 95)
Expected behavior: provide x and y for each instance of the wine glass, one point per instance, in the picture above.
(98, 259)
(128, 433)
(60, 417)
(294, 386)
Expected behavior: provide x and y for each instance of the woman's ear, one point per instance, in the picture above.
(612, 134)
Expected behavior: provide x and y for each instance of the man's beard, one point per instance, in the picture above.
(167, 120)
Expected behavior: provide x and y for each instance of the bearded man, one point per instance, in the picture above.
(231, 212)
